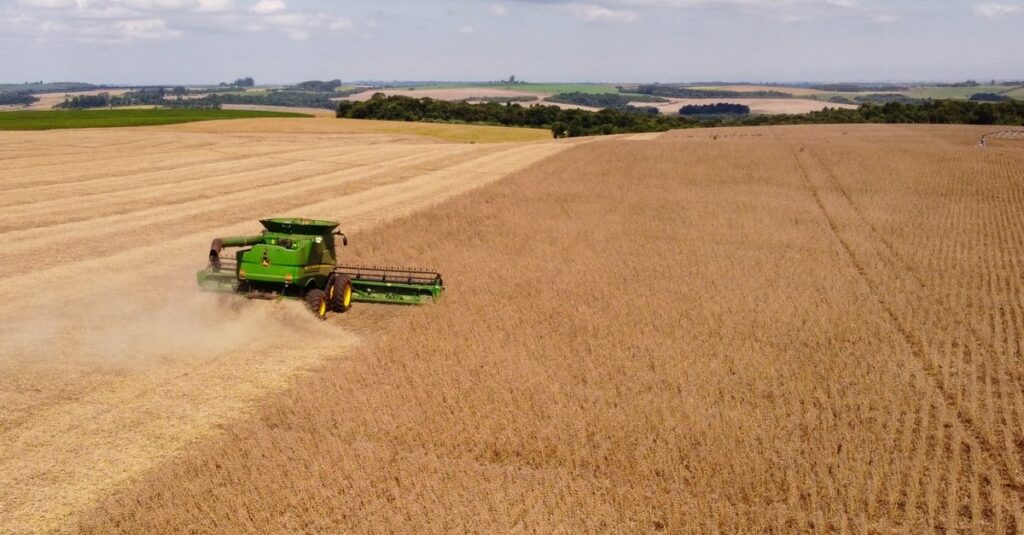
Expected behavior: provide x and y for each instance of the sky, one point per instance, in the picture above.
(286, 41)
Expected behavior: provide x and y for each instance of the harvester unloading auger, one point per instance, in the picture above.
(297, 258)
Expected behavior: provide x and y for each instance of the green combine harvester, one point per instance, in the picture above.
(297, 258)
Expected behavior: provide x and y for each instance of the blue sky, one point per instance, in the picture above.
(280, 41)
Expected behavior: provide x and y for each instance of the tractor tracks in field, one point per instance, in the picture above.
(93, 174)
(95, 156)
(99, 228)
(910, 285)
(225, 181)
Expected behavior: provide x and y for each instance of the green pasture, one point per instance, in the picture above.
(55, 119)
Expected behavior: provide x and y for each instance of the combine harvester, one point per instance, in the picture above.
(297, 258)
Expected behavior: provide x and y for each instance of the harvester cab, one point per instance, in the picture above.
(297, 258)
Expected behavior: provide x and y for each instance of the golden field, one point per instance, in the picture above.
(110, 361)
(784, 329)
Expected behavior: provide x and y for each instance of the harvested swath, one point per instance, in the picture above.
(392, 129)
(788, 329)
(109, 360)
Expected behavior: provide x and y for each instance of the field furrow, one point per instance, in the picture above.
(205, 154)
(283, 193)
(40, 164)
(193, 184)
(979, 400)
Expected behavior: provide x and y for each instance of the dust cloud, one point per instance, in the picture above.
(142, 330)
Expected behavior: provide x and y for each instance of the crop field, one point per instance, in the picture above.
(459, 133)
(448, 93)
(1017, 93)
(953, 92)
(794, 91)
(921, 92)
(784, 329)
(546, 88)
(54, 119)
(110, 361)
(778, 329)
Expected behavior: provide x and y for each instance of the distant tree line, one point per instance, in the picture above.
(16, 98)
(563, 123)
(294, 99)
(572, 123)
(988, 97)
(326, 86)
(48, 87)
(968, 83)
(1010, 112)
(719, 108)
(516, 98)
(859, 88)
(100, 100)
(147, 96)
(319, 86)
(875, 98)
(240, 82)
(602, 100)
(160, 96)
(676, 91)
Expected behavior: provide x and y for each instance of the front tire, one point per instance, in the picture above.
(316, 300)
(339, 293)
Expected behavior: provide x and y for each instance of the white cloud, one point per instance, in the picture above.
(93, 7)
(146, 29)
(213, 6)
(784, 11)
(301, 26)
(122, 21)
(467, 30)
(287, 19)
(265, 7)
(48, 4)
(595, 13)
(795, 18)
(145, 5)
(993, 10)
(499, 10)
(340, 24)
(682, 4)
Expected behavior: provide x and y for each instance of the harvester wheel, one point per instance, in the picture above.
(339, 293)
(317, 302)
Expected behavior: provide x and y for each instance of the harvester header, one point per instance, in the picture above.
(297, 258)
